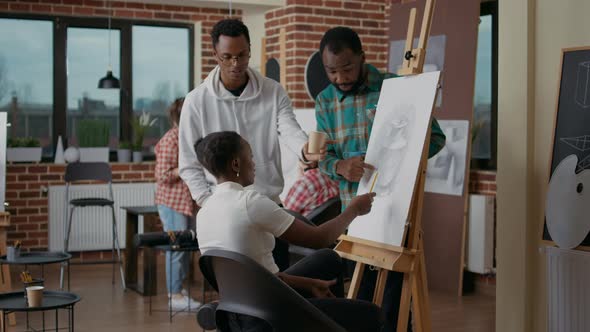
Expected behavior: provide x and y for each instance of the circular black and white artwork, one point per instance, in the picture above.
(316, 79)
(273, 69)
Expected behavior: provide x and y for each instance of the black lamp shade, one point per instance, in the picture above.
(109, 82)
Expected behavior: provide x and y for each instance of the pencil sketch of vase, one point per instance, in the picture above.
(393, 145)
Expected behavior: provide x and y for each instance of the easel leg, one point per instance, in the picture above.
(380, 287)
(422, 306)
(355, 283)
(404, 305)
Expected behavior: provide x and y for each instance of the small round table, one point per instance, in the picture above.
(15, 302)
(38, 258)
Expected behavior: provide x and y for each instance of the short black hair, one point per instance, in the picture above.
(216, 150)
(339, 38)
(229, 27)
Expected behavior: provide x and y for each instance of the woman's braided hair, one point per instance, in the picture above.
(216, 150)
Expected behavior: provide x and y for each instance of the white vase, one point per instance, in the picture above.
(137, 156)
(59, 152)
(124, 155)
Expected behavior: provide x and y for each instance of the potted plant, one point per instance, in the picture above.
(140, 124)
(26, 149)
(124, 152)
(93, 139)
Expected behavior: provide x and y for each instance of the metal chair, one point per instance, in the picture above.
(92, 171)
(247, 288)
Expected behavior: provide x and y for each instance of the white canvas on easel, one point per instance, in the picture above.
(395, 148)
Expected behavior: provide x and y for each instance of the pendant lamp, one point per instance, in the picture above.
(109, 81)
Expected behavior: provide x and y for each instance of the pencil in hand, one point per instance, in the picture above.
(374, 180)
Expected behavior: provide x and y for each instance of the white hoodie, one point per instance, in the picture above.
(261, 114)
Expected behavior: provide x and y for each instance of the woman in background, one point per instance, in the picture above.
(175, 206)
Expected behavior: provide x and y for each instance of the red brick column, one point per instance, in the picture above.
(307, 20)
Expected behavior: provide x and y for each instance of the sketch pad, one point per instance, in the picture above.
(395, 148)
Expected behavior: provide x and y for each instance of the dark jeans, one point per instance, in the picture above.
(352, 315)
(391, 296)
(281, 254)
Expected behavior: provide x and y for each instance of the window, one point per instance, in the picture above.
(26, 79)
(50, 67)
(484, 126)
(87, 61)
(156, 84)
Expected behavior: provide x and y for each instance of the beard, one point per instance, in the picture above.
(357, 84)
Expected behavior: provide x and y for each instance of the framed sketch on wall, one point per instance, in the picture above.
(446, 170)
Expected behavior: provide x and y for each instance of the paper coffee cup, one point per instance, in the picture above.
(35, 296)
(316, 141)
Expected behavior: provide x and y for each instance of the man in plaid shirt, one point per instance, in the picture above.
(311, 190)
(345, 110)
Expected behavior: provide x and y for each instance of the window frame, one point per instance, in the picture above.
(60, 26)
(491, 8)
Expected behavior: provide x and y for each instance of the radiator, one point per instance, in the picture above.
(568, 290)
(91, 226)
(480, 234)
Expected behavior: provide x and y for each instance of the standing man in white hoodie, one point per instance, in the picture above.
(236, 98)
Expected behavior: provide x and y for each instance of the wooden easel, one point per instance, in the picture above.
(408, 259)
(5, 283)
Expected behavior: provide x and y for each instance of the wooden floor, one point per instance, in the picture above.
(107, 307)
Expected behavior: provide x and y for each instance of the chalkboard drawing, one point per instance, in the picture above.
(395, 149)
(446, 171)
(583, 164)
(580, 143)
(583, 84)
(394, 143)
(567, 206)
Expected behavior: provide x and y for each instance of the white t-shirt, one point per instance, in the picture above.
(242, 221)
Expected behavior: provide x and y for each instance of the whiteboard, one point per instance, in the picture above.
(395, 148)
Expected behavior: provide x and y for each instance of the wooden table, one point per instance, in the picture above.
(150, 224)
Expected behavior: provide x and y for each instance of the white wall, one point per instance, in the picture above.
(253, 17)
(531, 36)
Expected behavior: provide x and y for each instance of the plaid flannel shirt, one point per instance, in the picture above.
(310, 191)
(348, 119)
(171, 191)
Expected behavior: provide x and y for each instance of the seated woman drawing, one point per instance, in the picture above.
(246, 222)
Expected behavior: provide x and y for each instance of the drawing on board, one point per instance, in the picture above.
(435, 57)
(583, 84)
(395, 149)
(446, 171)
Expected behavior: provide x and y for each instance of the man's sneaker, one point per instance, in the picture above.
(180, 303)
(183, 291)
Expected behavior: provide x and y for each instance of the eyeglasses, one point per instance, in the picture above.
(228, 60)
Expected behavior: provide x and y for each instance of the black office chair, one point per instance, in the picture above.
(247, 288)
(327, 211)
(94, 171)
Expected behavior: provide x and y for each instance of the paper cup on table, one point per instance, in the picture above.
(316, 141)
(35, 296)
(12, 253)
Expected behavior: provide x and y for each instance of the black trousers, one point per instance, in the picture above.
(325, 264)
(391, 296)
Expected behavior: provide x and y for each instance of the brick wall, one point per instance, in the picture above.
(28, 202)
(130, 10)
(482, 182)
(306, 21)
